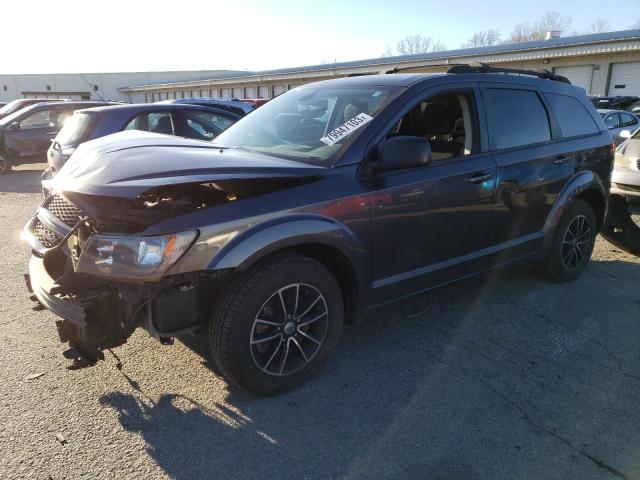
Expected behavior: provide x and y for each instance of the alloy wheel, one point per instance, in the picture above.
(575, 244)
(289, 329)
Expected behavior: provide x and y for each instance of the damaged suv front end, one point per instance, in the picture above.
(104, 251)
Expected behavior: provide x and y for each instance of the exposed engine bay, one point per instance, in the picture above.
(99, 313)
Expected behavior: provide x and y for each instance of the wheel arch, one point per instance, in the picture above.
(586, 186)
(323, 239)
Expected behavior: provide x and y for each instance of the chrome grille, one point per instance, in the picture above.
(64, 210)
(46, 237)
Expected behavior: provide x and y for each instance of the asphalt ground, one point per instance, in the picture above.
(499, 377)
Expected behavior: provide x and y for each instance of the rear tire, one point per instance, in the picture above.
(276, 324)
(572, 244)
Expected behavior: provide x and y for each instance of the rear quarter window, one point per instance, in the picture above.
(516, 118)
(573, 117)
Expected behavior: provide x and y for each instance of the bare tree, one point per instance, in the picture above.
(527, 32)
(412, 44)
(600, 26)
(486, 38)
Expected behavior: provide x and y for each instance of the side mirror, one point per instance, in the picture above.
(404, 151)
(625, 134)
(14, 126)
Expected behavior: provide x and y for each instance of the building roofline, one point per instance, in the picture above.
(371, 63)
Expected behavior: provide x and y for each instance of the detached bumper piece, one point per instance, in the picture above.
(90, 318)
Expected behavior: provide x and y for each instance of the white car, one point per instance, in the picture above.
(625, 179)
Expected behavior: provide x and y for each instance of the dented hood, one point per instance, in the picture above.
(127, 164)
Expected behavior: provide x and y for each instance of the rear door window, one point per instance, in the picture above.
(204, 125)
(627, 120)
(516, 118)
(157, 122)
(573, 117)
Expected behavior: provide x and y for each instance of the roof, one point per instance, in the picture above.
(127, 108)
(578, 40)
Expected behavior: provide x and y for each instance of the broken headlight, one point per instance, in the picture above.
(133, 258)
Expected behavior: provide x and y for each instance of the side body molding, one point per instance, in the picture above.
(579, 183)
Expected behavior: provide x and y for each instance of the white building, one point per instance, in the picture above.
(81, 86)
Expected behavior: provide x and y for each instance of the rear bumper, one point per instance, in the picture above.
(625, 181)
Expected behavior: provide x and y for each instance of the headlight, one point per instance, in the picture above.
(133, 258)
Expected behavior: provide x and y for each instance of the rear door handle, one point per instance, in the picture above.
(561, 160)
(479, 177)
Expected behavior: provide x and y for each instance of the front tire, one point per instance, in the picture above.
(572, 244)
(276, 324)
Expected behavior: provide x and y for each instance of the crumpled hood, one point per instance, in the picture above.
(129, 163)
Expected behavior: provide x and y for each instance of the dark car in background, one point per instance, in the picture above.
(190, 121)
(26, 135)
(620, 102)
(621, 124)
(331, 199)
(21, 103)
(232, 105)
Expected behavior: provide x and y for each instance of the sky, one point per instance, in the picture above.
(67, 36)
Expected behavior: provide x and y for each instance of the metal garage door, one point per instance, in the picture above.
(625, 79)
(238, 92)
(263, 92)
(226, 92)
(250, 92)
(278, 89)
(579, 76)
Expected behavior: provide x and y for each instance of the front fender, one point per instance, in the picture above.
(579, 183)
(272, 235)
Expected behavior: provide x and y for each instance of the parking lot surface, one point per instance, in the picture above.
(500, 377)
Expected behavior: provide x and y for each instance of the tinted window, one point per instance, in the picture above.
(627, 120)
(516, 117)
(573, 117)
(612, 121)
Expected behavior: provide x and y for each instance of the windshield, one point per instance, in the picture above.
(75, 129)
(17, 115)
(309, 124)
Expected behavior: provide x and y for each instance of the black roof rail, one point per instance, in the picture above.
(433, 65)
(484, 68)
(477, 67)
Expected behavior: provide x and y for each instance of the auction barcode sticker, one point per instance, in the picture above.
(346, 128)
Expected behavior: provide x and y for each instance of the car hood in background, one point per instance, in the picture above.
(126, 164)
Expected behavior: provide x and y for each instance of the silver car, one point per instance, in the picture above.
(625, 179)
(618, 121)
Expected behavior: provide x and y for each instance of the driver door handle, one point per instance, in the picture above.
(479, 177)
(561, 160)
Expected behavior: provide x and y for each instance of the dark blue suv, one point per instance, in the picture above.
(329, 200)
(190, 121)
